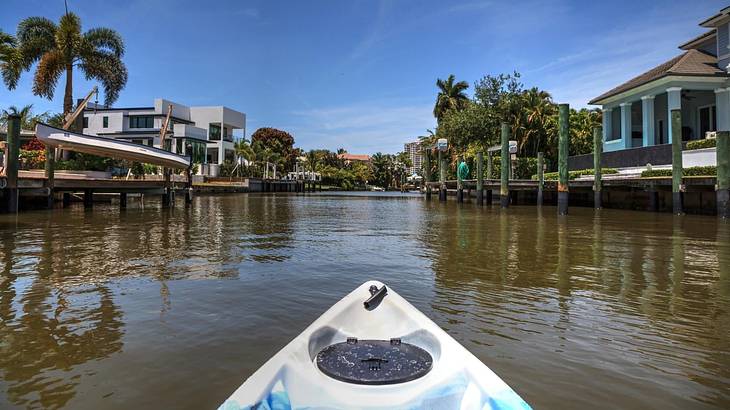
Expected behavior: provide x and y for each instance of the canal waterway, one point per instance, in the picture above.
(152, 308)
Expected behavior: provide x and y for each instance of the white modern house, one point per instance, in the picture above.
(205, 134)
(697, 82)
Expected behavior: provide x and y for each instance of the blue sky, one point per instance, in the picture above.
(361, 74)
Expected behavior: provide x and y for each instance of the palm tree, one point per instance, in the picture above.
(9, 59)
(60, 48)
(312, 159)
(451, 96)
(28, 119)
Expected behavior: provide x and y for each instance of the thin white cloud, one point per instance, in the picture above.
(363, 127)
(610, 58)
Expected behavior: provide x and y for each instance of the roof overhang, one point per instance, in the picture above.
(718, 80)
(699, 40)
(722, 17)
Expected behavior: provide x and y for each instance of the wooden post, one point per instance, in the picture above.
(427, 172)
(88, 198)
(677, 186)
(504, 168)
(50, 173)
(653, 198)
(597, 153)
(189, 187)
(480, 179)
(723, 174)
(167, 195)
(122, 200)
(563, 136)
(540, 177)
(12, 151)
(66, 201)
(459, 182)
(442, 178)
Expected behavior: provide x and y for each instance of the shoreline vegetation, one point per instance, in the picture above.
(470, 124)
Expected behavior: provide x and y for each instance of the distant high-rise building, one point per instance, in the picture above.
(414, 152)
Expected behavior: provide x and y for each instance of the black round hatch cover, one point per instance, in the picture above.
(374, 361)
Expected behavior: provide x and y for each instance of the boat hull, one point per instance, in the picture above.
(291, 378)
(108, 147)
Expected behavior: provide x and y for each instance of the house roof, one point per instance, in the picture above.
(690, 63)
(354, 157)
(698, 40)
(715, 20)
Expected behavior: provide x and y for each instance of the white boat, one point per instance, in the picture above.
(108, 147)
(374, 350)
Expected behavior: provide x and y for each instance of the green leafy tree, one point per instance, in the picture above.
(451, 96)
(59, 48)
(279, 142)
(383, 169)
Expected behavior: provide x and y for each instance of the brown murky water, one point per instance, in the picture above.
(174, 309)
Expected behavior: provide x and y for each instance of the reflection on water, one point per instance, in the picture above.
(147, 307)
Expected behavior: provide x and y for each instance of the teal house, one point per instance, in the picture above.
(636, 113)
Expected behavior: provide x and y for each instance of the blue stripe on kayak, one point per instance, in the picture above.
(448, 396)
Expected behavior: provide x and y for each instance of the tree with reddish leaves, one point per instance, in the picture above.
(279, 142)
(34, 145)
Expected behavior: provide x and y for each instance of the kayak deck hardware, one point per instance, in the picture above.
(374, 362)
(376, 296)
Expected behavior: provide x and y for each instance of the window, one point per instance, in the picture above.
(141, 121)
(214, 132)
(105, 122)
(86, 122)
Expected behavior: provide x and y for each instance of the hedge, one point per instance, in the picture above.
(687, 172)
(553, 176)
(699, 144)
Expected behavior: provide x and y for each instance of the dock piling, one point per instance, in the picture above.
(88, 198)
(540, 177)
(480, 179)
(427, 172)
(723, 174)
(504, 168)
(597, 152)
(122, 200)
(442, 178)
(563, 136)
(50, 173)
(12, 152)
(459, 182)
(677, 186)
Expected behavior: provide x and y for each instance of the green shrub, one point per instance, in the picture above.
(524, 167)
(553, 176)
(687, 172)
(150, 169)
(699, 144)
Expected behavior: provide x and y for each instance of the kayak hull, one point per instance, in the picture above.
(291, 378)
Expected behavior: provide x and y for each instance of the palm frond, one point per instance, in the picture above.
(36, 35)
(47, 74)
(10, 60)
(105, 39)
(107, 68)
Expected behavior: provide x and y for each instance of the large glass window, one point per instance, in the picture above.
(141, 121)
(214, 132)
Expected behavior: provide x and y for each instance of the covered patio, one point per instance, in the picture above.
(635, 114)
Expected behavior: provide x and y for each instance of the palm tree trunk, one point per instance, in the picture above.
(68, 100)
